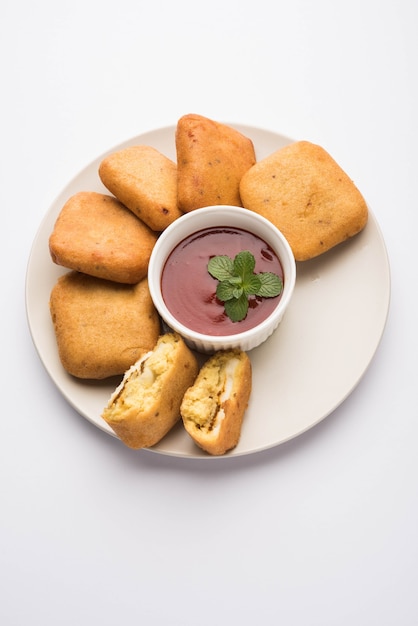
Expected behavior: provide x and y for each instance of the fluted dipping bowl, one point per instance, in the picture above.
(222, 216)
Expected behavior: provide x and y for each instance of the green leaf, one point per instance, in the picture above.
(271, 285)
(238, 291)
(237, 281)
(252, 285)
(244, 264)
(225, 291)
(236, 309)
(221, 267)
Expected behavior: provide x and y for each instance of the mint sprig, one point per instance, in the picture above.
(237, 282)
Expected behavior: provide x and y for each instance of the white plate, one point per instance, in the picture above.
(301, 374)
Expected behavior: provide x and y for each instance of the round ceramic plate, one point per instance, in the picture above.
(300, 375)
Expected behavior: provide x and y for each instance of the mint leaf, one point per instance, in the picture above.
(221, 267)
(236, 309)
(238, 291)
(244, 264)
(271, 285)
(252, 285)
(237, 281)
(225, 291)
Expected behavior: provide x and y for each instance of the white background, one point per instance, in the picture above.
(320, 531)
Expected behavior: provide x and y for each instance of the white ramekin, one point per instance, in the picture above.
(222, 216)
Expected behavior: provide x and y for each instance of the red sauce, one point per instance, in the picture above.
(189, 291)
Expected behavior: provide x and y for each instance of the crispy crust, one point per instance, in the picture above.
(145, 181)
(95, 234)
(146, 405)
(101, 327)
(213, 408)
(306, 194)
(211, 159)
